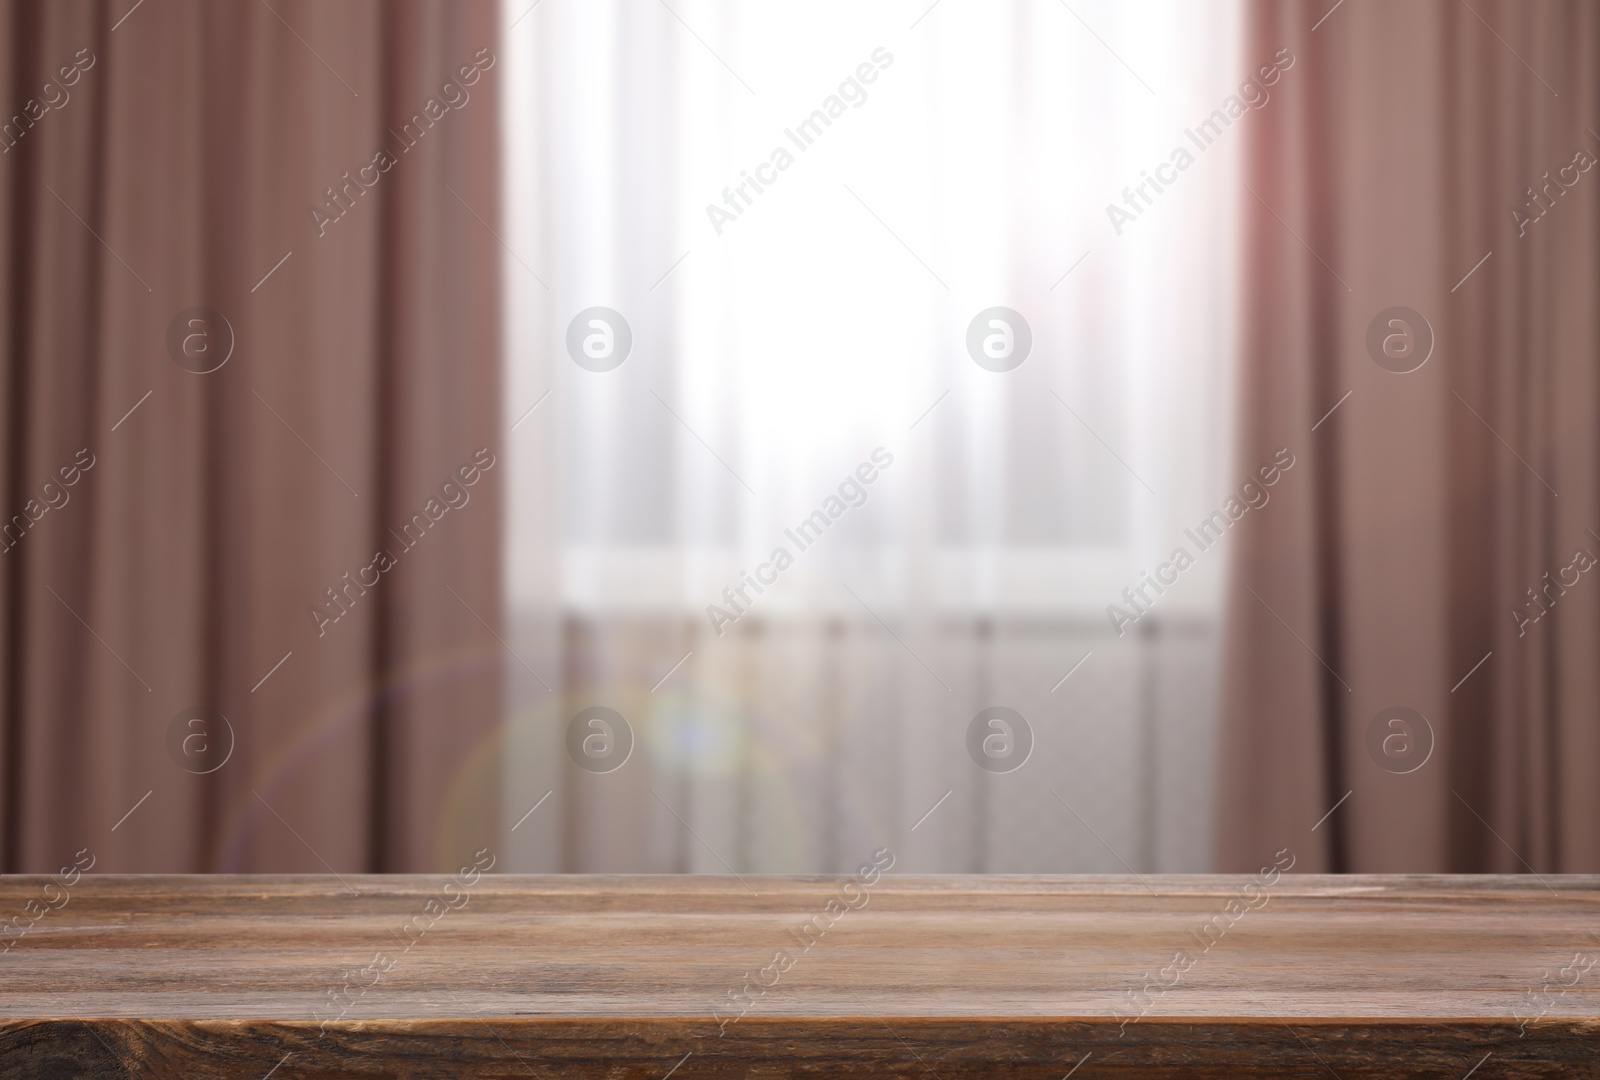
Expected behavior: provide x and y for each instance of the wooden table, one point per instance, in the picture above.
(943, 977)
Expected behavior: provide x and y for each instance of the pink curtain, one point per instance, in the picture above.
(1393, 569)
(165, 158)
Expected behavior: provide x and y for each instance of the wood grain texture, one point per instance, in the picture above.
(947, 977)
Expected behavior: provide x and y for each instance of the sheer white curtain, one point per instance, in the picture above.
(787, 330)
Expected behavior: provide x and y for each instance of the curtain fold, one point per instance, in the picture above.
(203, 663)
(1404, 564)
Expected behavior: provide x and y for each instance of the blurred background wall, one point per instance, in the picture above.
(405, 406)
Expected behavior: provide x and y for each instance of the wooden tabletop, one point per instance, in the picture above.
(499, 975)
